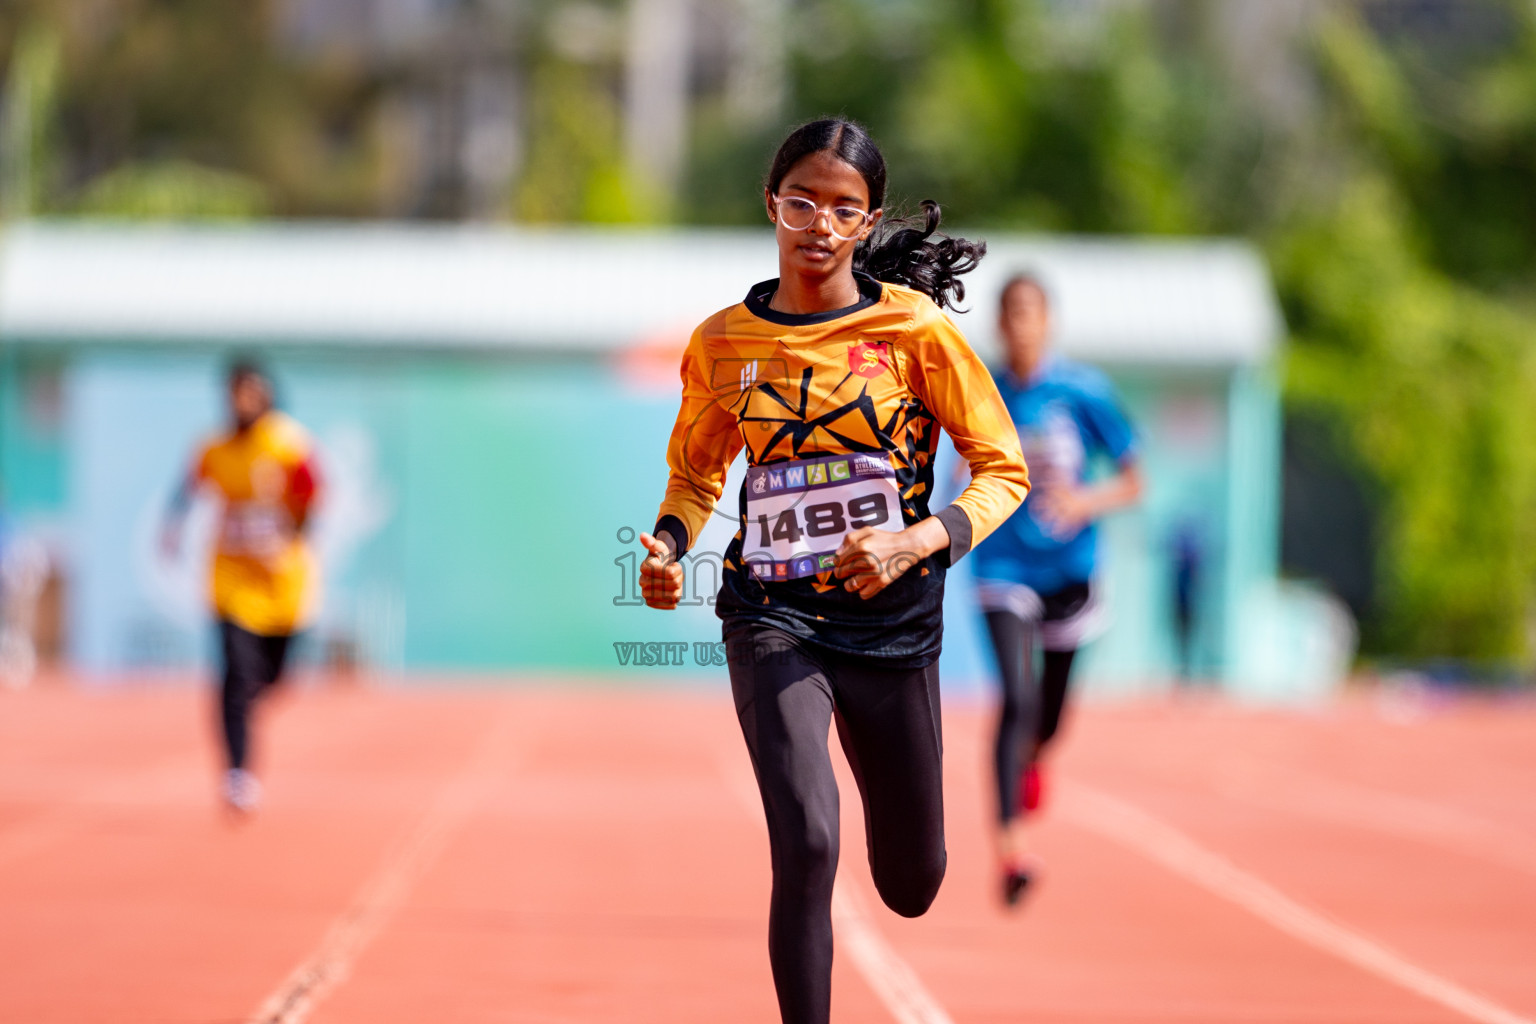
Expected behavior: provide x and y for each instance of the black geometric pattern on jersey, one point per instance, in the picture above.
(906, 435)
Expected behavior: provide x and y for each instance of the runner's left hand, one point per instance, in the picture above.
(869, 560)
(170, 542)
(1066, 510)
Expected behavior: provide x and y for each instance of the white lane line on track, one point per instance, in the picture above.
(887, 974)
(1449, 828)
(891, 978)
(328, 966)
(1161, 842)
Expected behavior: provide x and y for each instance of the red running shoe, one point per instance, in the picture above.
(1031, 788)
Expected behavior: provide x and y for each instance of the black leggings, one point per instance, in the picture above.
(1031, 711)
(252, 663)
(787, 695)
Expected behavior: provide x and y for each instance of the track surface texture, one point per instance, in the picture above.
(595, 853)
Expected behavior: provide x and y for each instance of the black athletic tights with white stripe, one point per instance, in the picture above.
(1031, 707)
(787, 695)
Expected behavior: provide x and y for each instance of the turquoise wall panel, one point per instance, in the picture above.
(33, 457)
(480, 514)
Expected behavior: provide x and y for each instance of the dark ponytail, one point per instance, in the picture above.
(897, 251)
(900, 252)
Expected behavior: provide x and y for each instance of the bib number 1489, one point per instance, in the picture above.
(825, 519)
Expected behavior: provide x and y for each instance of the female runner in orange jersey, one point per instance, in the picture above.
(836, 378)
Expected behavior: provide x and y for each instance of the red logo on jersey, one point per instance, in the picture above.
(869, 358)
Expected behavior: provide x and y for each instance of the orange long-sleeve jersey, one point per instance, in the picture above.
(873, 382)
(263, 576)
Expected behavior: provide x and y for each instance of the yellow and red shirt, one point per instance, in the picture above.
(877, 378)
(263, 576)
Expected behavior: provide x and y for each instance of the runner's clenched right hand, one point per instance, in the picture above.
(661, 577)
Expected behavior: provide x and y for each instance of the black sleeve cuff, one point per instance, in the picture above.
(959, 526)
(679, 532)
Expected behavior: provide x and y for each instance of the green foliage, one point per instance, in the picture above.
(1430, 383)
(1456, 136)
(988, 107)
(173, 190)
(575, 169)
(1390, 281)
(27, 157)
(157, 84)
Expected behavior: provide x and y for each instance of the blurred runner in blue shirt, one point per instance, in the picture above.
(1035, 572)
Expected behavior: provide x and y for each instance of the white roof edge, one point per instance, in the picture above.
(403, 285)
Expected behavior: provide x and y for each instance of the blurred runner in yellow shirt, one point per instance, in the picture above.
(263, 581)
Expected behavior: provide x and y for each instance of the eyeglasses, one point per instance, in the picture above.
(798, 214)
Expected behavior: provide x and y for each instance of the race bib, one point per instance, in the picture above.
(799, 512)
(253, 528)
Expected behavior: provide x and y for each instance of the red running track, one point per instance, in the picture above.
(542, 854)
